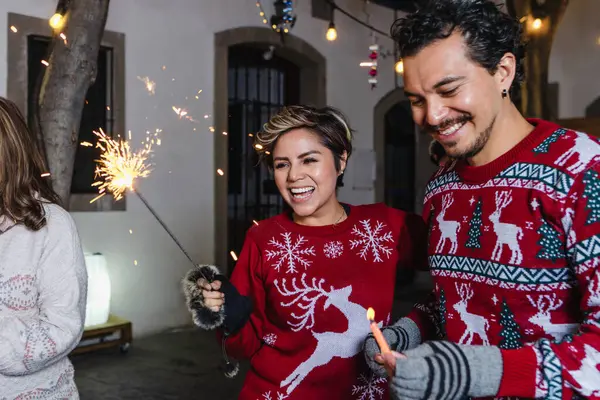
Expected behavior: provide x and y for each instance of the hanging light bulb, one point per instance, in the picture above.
(56, 21)
(331, 34)
(399, 67)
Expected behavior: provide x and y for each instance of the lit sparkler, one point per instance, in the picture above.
(117, 170)
(118, 166)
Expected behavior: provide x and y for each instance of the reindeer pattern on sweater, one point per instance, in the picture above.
(514, 251)
(311, 287)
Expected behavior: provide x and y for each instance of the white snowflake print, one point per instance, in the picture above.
(268, 396)
(372, 239)
(534, 204)
(293, 254)
(495, 299)
(333, 249)
(270, 339)
(529, 225)
(368, 388)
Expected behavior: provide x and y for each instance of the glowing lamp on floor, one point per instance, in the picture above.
(98, 298)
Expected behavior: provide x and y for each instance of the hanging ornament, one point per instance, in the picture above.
(373, 56)
(284, 18)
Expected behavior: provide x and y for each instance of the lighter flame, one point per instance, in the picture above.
(119, 167)
(370, 314)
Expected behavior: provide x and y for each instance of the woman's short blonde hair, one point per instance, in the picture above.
(327, 123)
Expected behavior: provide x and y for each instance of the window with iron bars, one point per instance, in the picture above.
(259, 84)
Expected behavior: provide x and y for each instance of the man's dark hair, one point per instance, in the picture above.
(489, 33)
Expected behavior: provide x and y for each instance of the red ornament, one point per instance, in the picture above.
(373, 72)
(373, 55)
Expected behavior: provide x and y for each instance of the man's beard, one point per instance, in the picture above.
(450, 147)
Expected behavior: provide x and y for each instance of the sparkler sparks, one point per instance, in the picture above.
(150, 84)
(118, 166)
(182, 113)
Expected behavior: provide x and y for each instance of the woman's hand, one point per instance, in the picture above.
(213, 299)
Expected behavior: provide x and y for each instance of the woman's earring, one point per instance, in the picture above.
(504, 93)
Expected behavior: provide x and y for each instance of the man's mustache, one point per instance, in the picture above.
(447, 123)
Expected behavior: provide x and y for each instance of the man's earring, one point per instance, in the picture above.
(504, 93)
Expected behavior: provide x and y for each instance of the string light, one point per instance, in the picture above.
(536, 24)
(331, 34)
(399, 67)
(261, 12)
(14, 29)
(56, 21)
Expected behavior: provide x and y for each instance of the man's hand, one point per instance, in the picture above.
(445, 370)
(401, 336)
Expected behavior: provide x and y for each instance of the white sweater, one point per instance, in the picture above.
(43, 289)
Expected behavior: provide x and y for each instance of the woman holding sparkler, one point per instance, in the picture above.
(297, 302)
(43, 280)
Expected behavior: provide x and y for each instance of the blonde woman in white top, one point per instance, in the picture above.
(43, 280)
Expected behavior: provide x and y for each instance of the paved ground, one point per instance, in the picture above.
(179, 364)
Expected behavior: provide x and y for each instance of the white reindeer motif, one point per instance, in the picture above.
(594, 288)
(588, 375)
(567, 223)
(585, 148)
(448, 229)
(544, 304)
(329, 344)
(508, 234)
(476, 324)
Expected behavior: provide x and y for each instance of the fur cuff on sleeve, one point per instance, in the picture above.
(202, 316)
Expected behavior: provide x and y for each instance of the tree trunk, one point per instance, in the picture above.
(71, 71)
(534, 92)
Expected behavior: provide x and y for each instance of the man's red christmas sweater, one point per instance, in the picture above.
(311, 288)
(514, 250)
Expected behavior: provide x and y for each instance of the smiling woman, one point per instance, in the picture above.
(308, 150)
(296, 305)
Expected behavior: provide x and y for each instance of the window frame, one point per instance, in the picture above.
(17, 91)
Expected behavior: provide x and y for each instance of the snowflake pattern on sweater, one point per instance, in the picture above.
(515, 256)
(310, 320)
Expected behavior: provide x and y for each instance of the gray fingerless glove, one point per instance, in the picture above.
(445, 370)
(401, 336)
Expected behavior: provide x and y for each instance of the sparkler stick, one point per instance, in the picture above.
(160, 221)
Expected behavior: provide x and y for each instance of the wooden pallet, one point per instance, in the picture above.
(112, 326)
